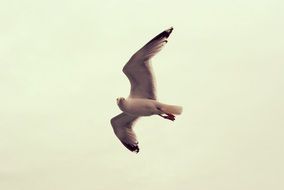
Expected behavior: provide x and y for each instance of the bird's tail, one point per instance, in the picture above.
(173, 109)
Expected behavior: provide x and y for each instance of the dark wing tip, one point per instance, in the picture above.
(132, 148)
(169, 31)
(164, 34)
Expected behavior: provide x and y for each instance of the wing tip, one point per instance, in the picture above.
(133, 148)
(165, 34)
(169, 31)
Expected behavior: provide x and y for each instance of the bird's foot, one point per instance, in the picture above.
(168, 116)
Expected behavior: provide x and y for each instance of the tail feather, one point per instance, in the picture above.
(176, 110)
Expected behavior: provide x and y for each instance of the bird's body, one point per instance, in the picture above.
(146, 107)
(139, 107)
(142, 100)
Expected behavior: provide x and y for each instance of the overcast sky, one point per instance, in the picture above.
(60, 75)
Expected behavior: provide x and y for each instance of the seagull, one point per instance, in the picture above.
(142, 100)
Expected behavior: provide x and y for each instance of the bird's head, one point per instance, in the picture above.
(120, 100)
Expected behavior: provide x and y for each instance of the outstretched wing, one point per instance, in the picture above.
(139, 71)
(122, 127)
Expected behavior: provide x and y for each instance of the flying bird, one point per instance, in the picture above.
(142, 100)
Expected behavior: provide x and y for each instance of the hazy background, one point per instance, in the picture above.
(60, 73)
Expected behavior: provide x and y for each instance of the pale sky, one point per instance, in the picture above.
(60, 75)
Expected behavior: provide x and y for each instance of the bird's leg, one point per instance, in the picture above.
(168, 116)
